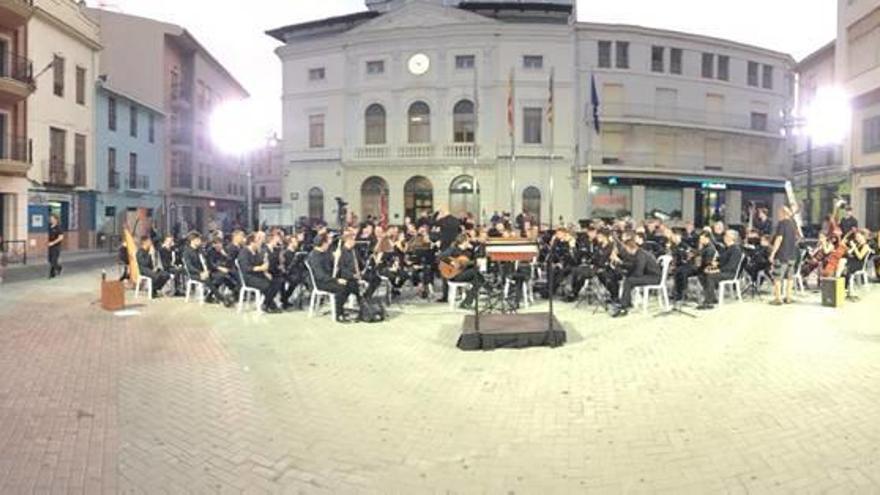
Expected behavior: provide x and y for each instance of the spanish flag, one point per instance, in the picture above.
(131, 247)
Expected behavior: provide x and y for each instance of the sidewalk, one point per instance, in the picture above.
(72, 262)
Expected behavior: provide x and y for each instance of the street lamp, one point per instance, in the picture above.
(233, 131)
(826, 120)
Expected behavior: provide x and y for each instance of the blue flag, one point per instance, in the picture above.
(594, 102)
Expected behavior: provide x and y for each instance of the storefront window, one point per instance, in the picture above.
(611, 201)
(663, 203)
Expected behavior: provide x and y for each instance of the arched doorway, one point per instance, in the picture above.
(531, 203)
(463, 198)
(418, 197)
(316, 204)
(374, 198)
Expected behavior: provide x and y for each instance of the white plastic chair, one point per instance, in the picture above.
(662, 290)
(318, 295)
(193, 286)
(246, 293)
(454, 289)
(735, 283)
(145, 282)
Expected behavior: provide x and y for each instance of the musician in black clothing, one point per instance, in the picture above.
(169, 256)
(644, 270)
(606, 265)
(197, 268)
(222, 266)
(470, 273)
(447, 229)
(321, 262)
(147, 266)
(294, 270)
(583, 258)
(255, 271)
(693, 264)
(724, 268)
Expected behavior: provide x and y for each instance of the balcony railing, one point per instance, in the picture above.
(13, 66)
(372, 152)
(182, 180)
(56, 174)
(139, 182)
(113, 180)
(14, 148)
(611, 111)
(823, 157)
(425, 150)
(460, 150)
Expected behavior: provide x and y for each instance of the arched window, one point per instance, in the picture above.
(419, 122)
(531, 203)
(463, 119)
(464, 196)
(374, 198)
(374, 119)
(316, 204)
(418, 197)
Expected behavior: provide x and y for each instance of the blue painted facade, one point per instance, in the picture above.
(128, 195)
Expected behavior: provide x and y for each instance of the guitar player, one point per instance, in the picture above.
(460, 256)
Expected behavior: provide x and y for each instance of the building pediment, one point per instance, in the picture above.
(421, 14)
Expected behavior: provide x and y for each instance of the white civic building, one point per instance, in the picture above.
(404, 108)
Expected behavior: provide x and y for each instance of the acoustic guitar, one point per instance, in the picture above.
(453, 267)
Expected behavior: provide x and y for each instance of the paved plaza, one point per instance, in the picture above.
(188, 399)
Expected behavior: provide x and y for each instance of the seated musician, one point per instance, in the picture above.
(460, 250)
(724, 269)
(321, 262)
(703, 261)
(294, 270)
(169, 256)
(856, 254)
(147, 267)
(644, 270)
(423, 261)
(255, 271)
(582, 270)
(561, 255)
(199, 269)
(222, 266)
(606, 265)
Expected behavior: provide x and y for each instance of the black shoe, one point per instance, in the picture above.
(271, 309)
(343, 319)
(442, 300)
(705, 307)
(229, 301)
(619, 312)
(59, 269)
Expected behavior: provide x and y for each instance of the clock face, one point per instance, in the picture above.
(419, 64)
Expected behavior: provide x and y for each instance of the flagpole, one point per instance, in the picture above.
(550, 269)
(475, 185)
(511, 124)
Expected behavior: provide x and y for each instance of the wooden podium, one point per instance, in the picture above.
(112, 295)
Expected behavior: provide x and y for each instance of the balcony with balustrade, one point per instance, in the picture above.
(635, 113)
(14, 159)
(415, 151)
(57, 174)
(16, 77)
(15, 13)
(138, 183)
